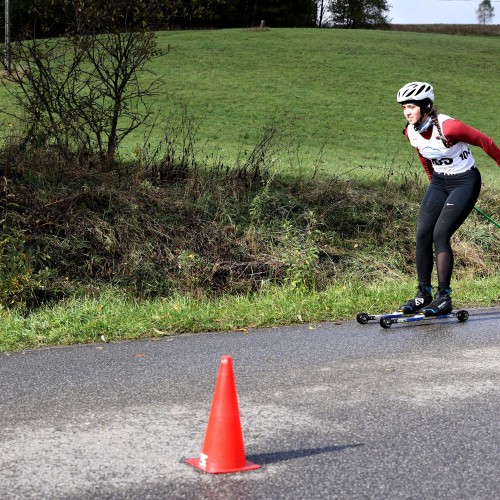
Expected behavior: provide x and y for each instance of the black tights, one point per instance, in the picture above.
(445, 206)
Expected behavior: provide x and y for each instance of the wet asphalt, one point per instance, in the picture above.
(331, 410)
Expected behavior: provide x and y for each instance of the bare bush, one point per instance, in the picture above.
(82, 93)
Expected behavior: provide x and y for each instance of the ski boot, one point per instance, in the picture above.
(440, 305)
(423, 298)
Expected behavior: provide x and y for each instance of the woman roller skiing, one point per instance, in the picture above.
(442, 145)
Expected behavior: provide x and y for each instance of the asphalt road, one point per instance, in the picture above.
(328, 410)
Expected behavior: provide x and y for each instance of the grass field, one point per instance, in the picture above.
(331, 87)
(332, 92)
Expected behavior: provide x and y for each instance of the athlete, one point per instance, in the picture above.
(442, 145)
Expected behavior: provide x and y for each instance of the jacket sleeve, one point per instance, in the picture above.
(457, 131)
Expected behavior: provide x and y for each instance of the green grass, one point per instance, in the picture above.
(334, 92)
(337, 86)
(113, 316)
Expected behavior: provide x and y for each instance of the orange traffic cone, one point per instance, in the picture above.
(223, 449)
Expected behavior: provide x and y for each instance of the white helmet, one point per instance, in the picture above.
(416, 91)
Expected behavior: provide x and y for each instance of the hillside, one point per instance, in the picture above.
(277, 161)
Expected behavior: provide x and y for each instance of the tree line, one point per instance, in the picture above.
(52, 17)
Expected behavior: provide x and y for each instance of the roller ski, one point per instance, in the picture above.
(438, 308)
(387, 321)
(410, 308)
(422, 307)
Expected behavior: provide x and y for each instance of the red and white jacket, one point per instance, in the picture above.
(434, 155)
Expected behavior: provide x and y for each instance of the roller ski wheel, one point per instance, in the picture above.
(387, 321)
(362, 318)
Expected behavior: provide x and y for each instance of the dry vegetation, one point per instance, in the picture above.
(450, 29)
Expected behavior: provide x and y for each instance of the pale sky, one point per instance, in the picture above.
(438, 11)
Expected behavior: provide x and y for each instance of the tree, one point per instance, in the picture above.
(275, 13)
(485, 11)
(185, 13)
(297, 13)
(358, 13)
(81, 93)
(321, 12)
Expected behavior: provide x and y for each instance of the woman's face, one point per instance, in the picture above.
(412, 113)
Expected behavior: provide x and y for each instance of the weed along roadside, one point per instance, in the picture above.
(113, 317)
(285, 204)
